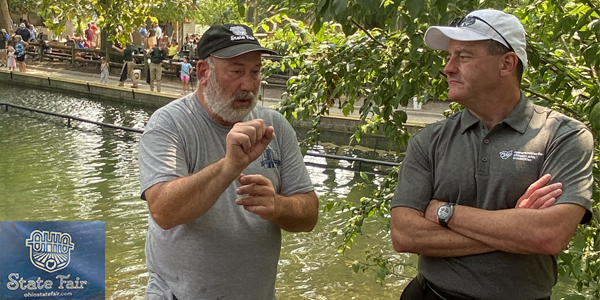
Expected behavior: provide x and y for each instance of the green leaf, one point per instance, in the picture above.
(595, 116)
(414, 7)
(364, 176)
(442, 6)
(330, 205)
(381, 273)
(557, 82)
(241, 7)
(355, 267)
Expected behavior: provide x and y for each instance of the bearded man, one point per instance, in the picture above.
(222, 177)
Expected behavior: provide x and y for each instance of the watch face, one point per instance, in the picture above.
(444, 212)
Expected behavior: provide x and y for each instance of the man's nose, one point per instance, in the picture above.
(250, 82)
(451, 66)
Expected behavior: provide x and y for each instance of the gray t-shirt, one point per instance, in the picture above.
(228, 253)
(458, 160)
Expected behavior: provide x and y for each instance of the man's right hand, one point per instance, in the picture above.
(246, 142)
(538, 195)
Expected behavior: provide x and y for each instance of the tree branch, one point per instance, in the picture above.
(554, 102)
(368, 34)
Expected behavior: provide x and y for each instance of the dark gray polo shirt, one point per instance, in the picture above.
(458, 160)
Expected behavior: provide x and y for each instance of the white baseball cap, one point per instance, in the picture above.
(479, 25)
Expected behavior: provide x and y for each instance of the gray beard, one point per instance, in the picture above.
(221, 104)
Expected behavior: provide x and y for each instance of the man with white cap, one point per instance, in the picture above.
(491, 195)
(23, 32)
(222, 177)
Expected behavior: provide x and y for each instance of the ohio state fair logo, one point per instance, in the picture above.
(49, 250)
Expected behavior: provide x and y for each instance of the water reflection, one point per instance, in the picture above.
(49, 171)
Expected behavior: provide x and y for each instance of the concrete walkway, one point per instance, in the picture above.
(271, 94)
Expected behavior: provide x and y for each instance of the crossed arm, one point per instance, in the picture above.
(532, 227)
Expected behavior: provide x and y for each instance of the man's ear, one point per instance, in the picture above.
(202, 72)
(509, 62)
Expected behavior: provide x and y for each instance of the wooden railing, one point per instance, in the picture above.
(80, 56)
(76, 57)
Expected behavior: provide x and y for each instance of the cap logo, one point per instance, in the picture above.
(240, 33)
(467, 22)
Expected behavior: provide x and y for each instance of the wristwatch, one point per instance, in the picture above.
(444, 213)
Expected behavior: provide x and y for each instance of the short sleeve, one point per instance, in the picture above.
(294, 175)
(569, 161)
(415, 180)
(160, 156)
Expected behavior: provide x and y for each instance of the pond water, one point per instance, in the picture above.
(51, 172)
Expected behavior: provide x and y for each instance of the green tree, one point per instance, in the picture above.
(343, 54)
(117, 18)
(211, 12)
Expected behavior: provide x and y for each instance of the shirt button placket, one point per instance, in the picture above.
(485, 151)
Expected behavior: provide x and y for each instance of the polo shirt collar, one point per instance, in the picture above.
(520, 116)
(467, 120)
(518, 119)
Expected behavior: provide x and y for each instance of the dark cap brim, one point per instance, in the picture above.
(240, 49)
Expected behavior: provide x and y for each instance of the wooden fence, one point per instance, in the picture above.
(81, 56)
(77, 57)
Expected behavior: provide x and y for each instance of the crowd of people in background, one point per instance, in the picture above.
(13, 48)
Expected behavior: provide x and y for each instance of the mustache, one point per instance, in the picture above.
(243, 95)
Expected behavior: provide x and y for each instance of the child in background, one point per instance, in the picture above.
(103, 70)
(186, 69)
(12, 63)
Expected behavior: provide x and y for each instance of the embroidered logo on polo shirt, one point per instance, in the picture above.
(506, 154)
(520, 155)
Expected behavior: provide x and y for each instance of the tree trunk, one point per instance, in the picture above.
(5, 16)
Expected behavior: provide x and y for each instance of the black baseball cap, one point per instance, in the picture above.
(229, 40)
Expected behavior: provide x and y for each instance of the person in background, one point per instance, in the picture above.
(144, 35)
(45, 47)
(152, 36)
(32, 33)
(80, 43)
(90, 34)
(157, 55)
(104, 70)
(186, 69)
(159, 34)
(490, 196)
(222, 178)
(173, 50)
(128, 65)
(3, 46)
(70, 41)
(20, 53)
(23, 32)
(95, 42)
(11, 62)
(186, 43)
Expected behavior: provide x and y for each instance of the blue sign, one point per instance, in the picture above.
(52, 260)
